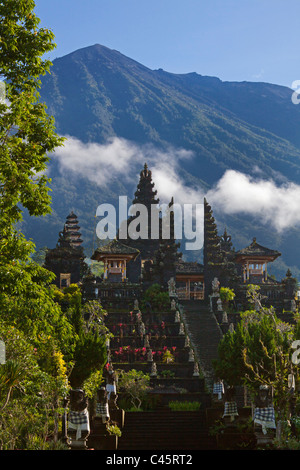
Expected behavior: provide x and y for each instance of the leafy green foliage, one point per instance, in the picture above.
(92, 383)
(26, 131)
(30, 399)
(184, 405)
(167, 374)
(258, 352)
(114, 430)
(39, 256)
(158, 299)
(27, 302)
(226, 294)
(44, 339)
(89, 353)
(135, 385)
(168, 357)
(27, 135)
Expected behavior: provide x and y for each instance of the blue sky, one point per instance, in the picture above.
(235, 40)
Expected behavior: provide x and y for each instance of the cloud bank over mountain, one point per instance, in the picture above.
(275, 204)
(101, 163)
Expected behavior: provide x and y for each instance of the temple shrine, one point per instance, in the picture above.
(254, 260)
(115, 256)
(190, 281)
(66, 260)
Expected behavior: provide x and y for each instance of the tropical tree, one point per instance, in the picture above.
(31, 399)
(156, 297)
(89, 352)
(27, 136)
(32, 383)
(26, 131)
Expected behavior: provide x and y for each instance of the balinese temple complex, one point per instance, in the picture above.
(131, 266)
(173, 338)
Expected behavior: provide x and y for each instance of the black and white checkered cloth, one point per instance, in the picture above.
(265, 417)
(102, 409)
(79, 420)
(265, 414)
(230, 409)
(79, 417)
(218, 389)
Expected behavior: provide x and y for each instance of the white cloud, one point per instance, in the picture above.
(237, 193)
(101, 163)
(98, 163)
(277, 205)
(168, 183)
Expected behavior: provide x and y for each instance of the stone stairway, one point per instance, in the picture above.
(166, 430)
(205, 335)
(129, 350)
(163, 428)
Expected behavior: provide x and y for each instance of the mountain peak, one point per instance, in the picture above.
(92, 54)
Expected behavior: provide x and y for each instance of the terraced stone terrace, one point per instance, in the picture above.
(175, 348)
(155, 343)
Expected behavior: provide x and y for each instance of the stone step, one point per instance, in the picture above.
(166, 430)
(205, 335)
(166, 413)
(179, 356)
(137, 342)
(201, 442)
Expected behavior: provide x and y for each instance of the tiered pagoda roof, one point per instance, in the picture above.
(115, 247)
(145, 192)
(189, 267)
(257, 251)
(71, 230)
